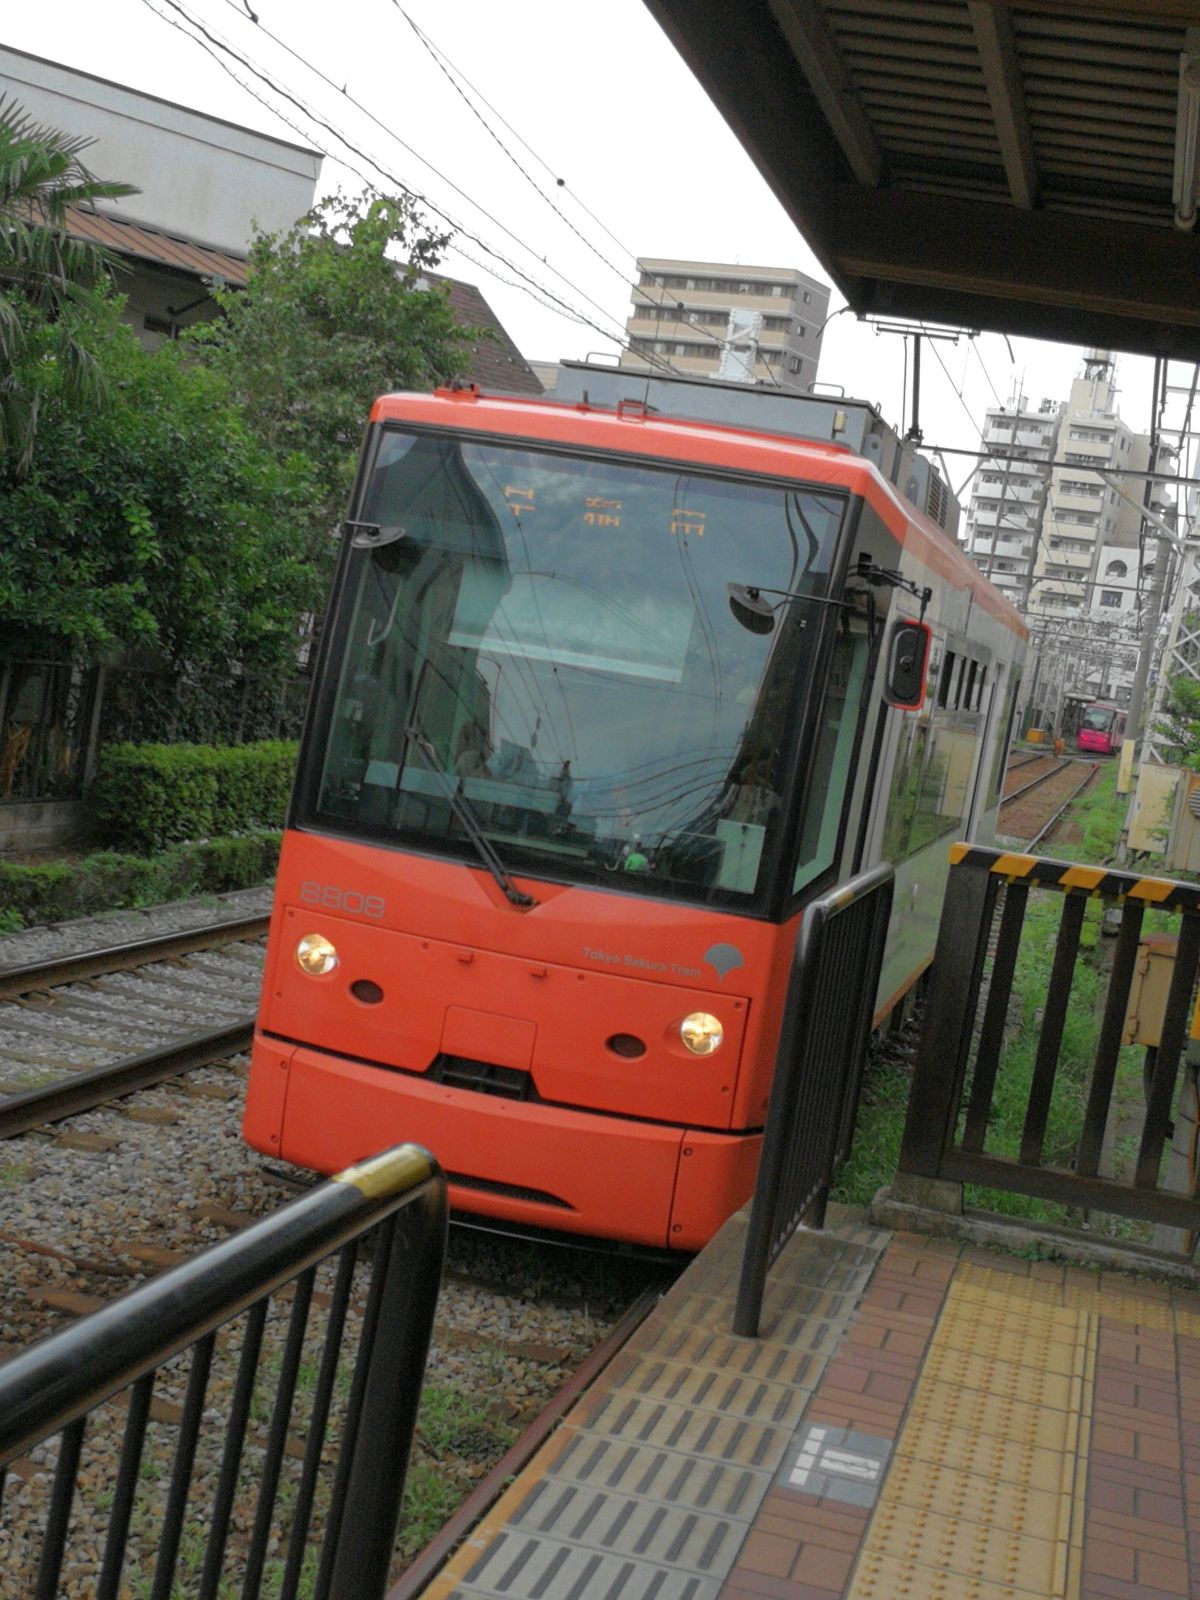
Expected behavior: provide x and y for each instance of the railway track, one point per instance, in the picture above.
(29, 977)
(124, 1188)
(66, 1020)
(125, 1199)
(1032, 816)
(1056, 817)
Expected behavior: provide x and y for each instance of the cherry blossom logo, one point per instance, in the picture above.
(723, 959)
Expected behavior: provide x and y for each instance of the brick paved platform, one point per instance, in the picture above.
(919, 1421)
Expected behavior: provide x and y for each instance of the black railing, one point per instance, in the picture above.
(290, 1447)
(1066, 1127)
(818, 1073)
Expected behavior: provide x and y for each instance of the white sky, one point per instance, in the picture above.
(600, 95)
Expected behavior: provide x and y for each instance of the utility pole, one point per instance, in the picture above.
(1137, 696)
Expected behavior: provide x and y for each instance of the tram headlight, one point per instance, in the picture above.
(316, 955)
(701, 1033)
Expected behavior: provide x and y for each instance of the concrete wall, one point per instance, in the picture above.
(41, 824)
(200, 177)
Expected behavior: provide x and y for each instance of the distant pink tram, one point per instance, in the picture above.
(1101, 728)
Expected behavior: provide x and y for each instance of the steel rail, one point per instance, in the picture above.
(17, 981)
(83, 1091)
(1054, 820)
(1033, 782)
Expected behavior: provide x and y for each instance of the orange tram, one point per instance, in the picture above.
(605, 696)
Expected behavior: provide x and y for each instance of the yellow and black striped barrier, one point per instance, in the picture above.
(1105, 883)
(950, 1131)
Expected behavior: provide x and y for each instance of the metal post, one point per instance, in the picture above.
(395, 1370)
(1137, 694)
(93, 738)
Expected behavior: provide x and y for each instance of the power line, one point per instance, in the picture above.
(983, 368)
(441, 64)
(216, 43)
(452, 72)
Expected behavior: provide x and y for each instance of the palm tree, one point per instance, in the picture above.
(47, 278)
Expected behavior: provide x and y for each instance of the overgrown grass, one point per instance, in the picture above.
(876, 1148)
(880, 1125)
(1099, 813)
(459, 1436)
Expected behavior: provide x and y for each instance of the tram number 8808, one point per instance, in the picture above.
(330, 898)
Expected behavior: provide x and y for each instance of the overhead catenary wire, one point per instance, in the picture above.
(441, 63)
(366, 111)
(453, 75)
(212, 43)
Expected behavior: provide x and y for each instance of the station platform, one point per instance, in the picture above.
(920, 1420)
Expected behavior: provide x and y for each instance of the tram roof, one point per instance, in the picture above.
(981, 162)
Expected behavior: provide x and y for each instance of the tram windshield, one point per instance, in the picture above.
(550, 639)
(1098, 719)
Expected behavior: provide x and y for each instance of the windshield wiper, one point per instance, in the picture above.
(465, 813)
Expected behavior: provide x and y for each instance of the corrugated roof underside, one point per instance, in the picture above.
(1099, 99)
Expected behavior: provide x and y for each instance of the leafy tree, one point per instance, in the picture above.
(328, 321)
(1180, 726)
(48, 281)
(156, 519)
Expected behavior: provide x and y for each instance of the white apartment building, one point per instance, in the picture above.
(1084, 516)
(680, 317)
(1008, 493)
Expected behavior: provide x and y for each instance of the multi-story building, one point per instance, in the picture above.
(203, 185)
(680, 321)
(1008, 494)
(1084, 516)
(1047, 525)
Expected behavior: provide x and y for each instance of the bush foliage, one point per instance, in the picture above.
(149, 796)
(111, 881)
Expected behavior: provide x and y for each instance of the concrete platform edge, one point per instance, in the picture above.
(1002, 1233)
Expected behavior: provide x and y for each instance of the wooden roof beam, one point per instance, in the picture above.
(998, 58)
(1185, 174)
(816, 53)
(1042, 273)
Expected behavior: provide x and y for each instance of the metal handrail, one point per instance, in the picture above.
(400, 1198)
(818, 1071)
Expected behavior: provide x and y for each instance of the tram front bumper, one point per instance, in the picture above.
(542, 1166)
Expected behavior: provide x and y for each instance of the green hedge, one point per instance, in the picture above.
(148, 796)
(112, 881)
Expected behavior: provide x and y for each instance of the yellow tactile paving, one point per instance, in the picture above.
(981, 1500)
(1155, 1314)
(1005, 1460)
(970, 1549)
(885, 1578)
(1013, 1340)
(1029, 1381)
(994, 1416)
(971, 1497)
(1077, 1290)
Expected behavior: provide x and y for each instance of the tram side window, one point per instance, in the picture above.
(945, 676)
(1000, 759)
(832, 759)
(930, 793)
